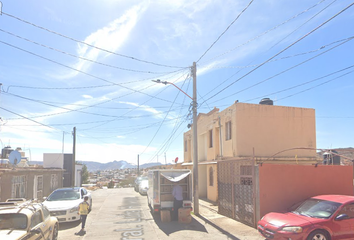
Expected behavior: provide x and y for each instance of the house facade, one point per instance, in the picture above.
(29, 182)
(250, 131)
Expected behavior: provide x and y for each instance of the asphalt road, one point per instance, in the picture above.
(124, 214)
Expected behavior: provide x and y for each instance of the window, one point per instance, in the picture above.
(38, 187)
(46, 212)
(185, 146)
(348, 209)
(210, 138)
(54, 182)
(36, 219)
(19, 185)
(228, 130)
(211, 176)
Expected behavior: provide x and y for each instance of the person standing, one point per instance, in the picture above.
(83, 212)
(177, 193)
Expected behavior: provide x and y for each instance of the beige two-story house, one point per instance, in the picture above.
(249, 131)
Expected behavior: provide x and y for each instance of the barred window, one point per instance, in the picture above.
(54, 182)
(19, 185)
(228, 130)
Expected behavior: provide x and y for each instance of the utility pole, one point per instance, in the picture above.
(74, 159)
(138, 167)
(165, 159)
(195, 142)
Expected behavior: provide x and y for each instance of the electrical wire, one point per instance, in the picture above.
(284, 71)
(82, 58)
(82, 72)
(268, 31)
(87, 44)
(283, 50)
(307, 21)
(299, 85)
(238, 16)
(308, 89)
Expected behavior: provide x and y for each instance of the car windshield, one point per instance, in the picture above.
(13, 221)
(60, 195)
(317, 208)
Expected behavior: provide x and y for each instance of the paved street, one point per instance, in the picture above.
(124, 214)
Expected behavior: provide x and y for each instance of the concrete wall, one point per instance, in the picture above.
(271, 129)
(281, 186)
(53, 160)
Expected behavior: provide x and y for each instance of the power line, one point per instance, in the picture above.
(284, 71)
(163, 120)
(289, 46)
(27, 118)
(266, 32)
(80, 71)
(249, 4)
(282, 58)
(299, 85)
(276, 45)
(87, 44)
(83, 58)
(308, 89)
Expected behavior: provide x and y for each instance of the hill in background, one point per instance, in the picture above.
(96, 166)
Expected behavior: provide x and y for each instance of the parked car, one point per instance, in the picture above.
(27, 220)
(143, 187)
(325, 217)
(63, 203)
(137, 182)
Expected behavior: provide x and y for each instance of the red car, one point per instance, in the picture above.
(326, 217)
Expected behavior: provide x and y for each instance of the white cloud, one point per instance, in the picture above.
(87, 96)
(110, 37)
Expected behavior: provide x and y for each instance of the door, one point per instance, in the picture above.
(38, 187)
(345, 227)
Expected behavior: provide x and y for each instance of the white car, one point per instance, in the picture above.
(143, 187)
(63, 203)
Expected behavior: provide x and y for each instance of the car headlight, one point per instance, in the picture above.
(74, 209)
(292, 229)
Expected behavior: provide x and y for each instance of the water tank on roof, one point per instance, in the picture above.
(266, 101)
(5, 152)
(331, 158)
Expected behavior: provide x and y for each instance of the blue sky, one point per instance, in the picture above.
(89, 64)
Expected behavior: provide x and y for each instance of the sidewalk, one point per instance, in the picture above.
(233, 229)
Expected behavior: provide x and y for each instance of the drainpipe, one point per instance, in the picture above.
(220, 139)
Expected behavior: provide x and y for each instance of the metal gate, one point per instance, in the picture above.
(236, 190)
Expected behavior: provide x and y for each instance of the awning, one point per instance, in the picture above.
(175, 176)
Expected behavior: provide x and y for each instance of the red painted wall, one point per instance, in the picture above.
(281, 186)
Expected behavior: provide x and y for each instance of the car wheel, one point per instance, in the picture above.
(318, 235)
(55, 232)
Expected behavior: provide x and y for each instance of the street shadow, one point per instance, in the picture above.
(68, 225)
(174, 226)
(229, 235)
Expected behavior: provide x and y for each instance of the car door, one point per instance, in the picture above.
(47, 226)
(345, 226)
(36, 227)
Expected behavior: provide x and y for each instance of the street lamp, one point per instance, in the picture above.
(195, 135)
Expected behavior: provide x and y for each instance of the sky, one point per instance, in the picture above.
(89, 65)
